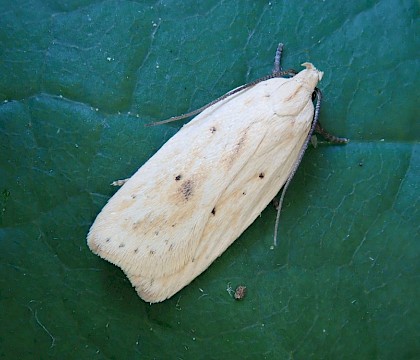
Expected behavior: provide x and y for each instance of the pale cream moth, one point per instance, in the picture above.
(195, 196)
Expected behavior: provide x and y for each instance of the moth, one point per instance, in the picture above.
(193, 198)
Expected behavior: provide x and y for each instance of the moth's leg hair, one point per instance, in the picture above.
(277, 59)
(329, 137)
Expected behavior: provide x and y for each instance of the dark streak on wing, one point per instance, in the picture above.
(186, 189)
(294, 93)
(195, 255)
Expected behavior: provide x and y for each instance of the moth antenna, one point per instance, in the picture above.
(279, 73)
(298, 160)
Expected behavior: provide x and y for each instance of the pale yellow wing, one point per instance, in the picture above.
(205, 186)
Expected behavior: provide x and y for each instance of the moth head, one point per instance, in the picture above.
(311, 75)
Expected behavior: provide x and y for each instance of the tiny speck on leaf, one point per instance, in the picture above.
(240, 292)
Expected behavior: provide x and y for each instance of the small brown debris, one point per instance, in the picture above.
(240, 292)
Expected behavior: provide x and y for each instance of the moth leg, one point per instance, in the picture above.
(277, 59)
(119, 182)
(275, 203)
(278, 69)
(329, 137)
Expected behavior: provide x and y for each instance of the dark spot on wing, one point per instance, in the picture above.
(212, 129)
(213, 211)
(121, 245)
(186, 189)
(178, 177)
(236, 149)
(261, 176)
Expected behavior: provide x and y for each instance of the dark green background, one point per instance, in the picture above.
(78, 81)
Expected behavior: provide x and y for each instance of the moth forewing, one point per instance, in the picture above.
(194, 197)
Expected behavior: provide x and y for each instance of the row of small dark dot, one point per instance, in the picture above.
(151, 252)
(179, 177)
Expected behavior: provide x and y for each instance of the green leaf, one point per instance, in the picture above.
(79, 79)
